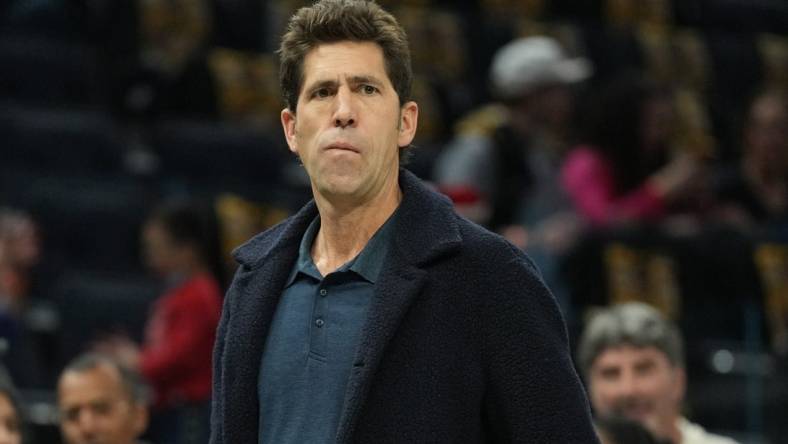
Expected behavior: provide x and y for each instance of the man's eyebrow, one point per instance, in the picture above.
(328, 83)
(365, 79)
(353, 80)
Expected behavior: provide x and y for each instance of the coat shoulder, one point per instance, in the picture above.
(252, 253)
(480, 244)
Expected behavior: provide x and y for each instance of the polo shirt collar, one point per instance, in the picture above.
(367, 264)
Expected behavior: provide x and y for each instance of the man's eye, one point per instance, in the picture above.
(12, 425)
(321, 93)
(368, 89)
(71, 415)
(102, 408)
(609, 374)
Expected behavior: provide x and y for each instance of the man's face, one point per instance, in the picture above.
(349, 126)
(95, 408)
(638, 383)
(162, 254)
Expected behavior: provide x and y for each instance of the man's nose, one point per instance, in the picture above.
(344, 112)
(87, 423)
(628, 385)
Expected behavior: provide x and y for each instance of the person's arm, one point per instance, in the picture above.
(465, 172)
(533, 392)
(188, 328)
(589, 182)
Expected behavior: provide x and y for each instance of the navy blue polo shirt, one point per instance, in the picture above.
(312, 341)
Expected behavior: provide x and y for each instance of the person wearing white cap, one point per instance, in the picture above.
(502, 168)
(528, 64)
(505, 154)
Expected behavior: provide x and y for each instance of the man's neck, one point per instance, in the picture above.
(669, 429)
(675, 433)
(345, 229)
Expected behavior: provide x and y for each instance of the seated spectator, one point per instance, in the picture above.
(101, 401)
(504, 159)
(10, 412)
(626, 171)
(182, 246)
(755, 192)
(633, 363)
(20, 251)
(502, 167)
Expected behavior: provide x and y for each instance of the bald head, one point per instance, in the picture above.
(98, 404)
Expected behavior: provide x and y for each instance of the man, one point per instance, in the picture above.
(376, 314)
(100, 402)
(632, 359)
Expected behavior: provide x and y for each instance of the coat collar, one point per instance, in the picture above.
(426, 227)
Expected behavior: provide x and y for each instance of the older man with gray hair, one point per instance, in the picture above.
(101, 402)
(632, 359)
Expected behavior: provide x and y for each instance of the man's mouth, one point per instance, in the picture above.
(342, 146)
(634, 409)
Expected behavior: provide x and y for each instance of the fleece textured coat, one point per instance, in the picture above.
(462, 343)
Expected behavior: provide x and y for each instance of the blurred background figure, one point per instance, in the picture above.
(501, 166)
(101, 401)
(19, 252)
(754, 192)
(181, 246)
(632, 360)
(20, 347)
(627, 170)
(10, 412)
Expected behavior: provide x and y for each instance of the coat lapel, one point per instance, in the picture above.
(265, 264)
(394, 295)
(426, 229)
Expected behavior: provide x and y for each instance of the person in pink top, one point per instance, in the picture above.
(181, 245)
(625, 172)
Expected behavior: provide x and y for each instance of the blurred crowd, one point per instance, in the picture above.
(637, 150)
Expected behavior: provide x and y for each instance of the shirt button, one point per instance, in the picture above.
(319, 322)
(323, 292)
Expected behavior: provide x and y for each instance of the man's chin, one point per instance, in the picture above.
(339, 187)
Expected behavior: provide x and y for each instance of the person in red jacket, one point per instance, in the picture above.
(181, 246)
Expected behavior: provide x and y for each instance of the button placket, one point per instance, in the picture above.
(318, 324)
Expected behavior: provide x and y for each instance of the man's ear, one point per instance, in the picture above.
(288, 125)
(408, 121)
(141, 418)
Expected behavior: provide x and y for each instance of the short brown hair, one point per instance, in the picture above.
(329, 21)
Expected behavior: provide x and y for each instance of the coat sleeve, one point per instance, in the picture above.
(534, 393)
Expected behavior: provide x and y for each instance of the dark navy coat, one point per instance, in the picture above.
(463, 343)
